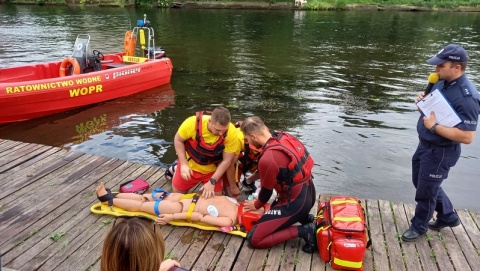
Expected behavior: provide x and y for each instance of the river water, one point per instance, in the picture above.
(343, 82)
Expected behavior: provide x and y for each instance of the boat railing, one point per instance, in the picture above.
(140, 42)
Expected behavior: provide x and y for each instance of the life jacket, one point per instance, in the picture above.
(301, 163)
(248, 157)
(200, 151)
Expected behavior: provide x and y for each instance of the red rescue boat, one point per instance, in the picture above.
(84, 78)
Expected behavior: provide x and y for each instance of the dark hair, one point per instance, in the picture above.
(221, 115)
(252, 125)
(463, 65)
(133, 244)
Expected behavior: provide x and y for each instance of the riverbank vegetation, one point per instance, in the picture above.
(409, 5)
(430, 4)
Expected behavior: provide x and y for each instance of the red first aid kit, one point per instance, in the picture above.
(137, 186)
(249, 219)
(342, 233)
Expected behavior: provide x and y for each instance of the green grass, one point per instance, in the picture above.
(56, 236)
(311, 4)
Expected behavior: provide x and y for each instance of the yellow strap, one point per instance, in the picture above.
(236, 173)
(191, 207)
(347, 219)
(188, 196)
(350, 264)
(344, 201)
(324, 228)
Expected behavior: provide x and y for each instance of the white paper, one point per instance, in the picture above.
(444, 113)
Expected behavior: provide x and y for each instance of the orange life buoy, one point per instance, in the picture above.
(129, 44)
(66, 63)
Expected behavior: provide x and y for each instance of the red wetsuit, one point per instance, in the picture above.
(275, 226)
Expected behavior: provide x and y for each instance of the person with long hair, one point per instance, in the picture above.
(135, 244)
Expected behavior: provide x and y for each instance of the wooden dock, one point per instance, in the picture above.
(46, 224)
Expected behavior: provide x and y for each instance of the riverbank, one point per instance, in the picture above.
(316, 6)
(287, 5)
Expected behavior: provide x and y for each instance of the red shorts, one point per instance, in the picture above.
(179, 183)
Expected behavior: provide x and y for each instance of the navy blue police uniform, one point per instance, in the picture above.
(435, 155)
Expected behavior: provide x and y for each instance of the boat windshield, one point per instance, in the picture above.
(81, 46)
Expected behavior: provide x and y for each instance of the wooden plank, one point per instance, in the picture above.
(8, 150)
(412, 261)
(61, 219)
(10, 146)
(379, 251)
(391, 237)
(453, 249)
(466, 245)
(474, 227)
(35, 259)
(434, 247)
(275, 255)
(317, 264)
(257, 262)
(58, 204)
(88, 245)
(199, 242)
(215, 248)
(166, 230)
(303, 261)
(26, 165)
(67, 247)
(10, 160)
(368, 259)
(229, 256)
(22, 157)
(66, 210)
(48, 259)
(291, 254)
(17, 151)
(91, 259)
(25, 183)
(33, 204)
(244, 257)
(174, 241)
(73, 254)
(27, 199)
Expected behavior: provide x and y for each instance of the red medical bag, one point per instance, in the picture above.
(249, 219)
(342, 233)
(137, 186)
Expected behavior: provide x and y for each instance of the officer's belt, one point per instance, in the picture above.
(431, 145)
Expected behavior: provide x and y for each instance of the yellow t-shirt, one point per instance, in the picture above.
(240, 141)
(187, 131)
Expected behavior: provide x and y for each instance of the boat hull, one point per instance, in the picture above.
(37, 90)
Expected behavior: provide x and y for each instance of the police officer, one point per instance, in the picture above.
(439, 147)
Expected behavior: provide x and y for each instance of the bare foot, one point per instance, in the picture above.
(101, 191)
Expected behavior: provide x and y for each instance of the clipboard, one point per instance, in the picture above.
(444, 113)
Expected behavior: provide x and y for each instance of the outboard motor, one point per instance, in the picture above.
(156, 53)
